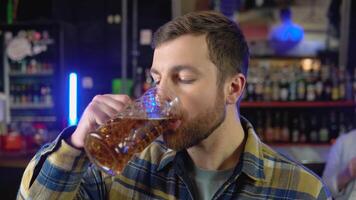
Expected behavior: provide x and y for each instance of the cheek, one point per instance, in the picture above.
(194, 104)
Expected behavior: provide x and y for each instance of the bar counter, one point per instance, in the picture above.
(16, 159)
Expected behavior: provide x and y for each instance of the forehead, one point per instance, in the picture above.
(187, 50)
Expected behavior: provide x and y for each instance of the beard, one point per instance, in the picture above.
(194, 131)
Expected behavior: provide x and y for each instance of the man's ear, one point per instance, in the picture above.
(235, 87)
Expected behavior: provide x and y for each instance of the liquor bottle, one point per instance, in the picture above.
(284, 89)
(17, 98)
(36, 93)
(348, 87)
(46, 37)
(16, 93)
(310, 86)
(29, 91)
(268, 135)
(342, 83)
(285, 137)
(313, 129)
(324, 131)
(295, 129)
(301, 87)
(48, 96)
(43, 91)
(250, 85)
(275, 90)
(267, 91)
(23, 67)
(14, 66)
(49, 67)
(333, 126)
(302, 129)
(259, 90)
(327, 83)
(250, 91)
(292, 86)
(12, 93)
(335, 93)
(319, 87)
(23, 93)
(342, 125)
(277, 127)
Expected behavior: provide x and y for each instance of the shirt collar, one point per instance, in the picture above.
(167, 158)
(252, 157)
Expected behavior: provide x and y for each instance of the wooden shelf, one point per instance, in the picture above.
(16, 159)
(44, 42)
(22, 74)
(289, 144)
(32, 106)
(281, 57)
(306, 153)
(297, 104)
(34, 118)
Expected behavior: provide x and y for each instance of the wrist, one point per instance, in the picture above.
(69, 158)
(74, 141)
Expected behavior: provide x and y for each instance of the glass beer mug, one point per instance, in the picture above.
(112, 145)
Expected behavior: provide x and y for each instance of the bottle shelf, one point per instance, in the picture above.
(303, 152)
(31, 106)
(34, 118)
(44, 42)
(22, 74)
(297, 104)
(290, 144)
(17, 159)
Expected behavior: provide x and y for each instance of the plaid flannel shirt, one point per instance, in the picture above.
(58, 171)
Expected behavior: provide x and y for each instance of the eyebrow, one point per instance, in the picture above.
(178, 68)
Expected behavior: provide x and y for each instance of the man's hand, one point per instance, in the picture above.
(99, 110)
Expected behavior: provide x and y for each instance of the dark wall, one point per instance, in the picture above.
(352, 38)
(3, 11)
(151, 15)
(1, 69)
(94, 47)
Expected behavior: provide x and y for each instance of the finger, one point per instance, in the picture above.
(110, 111)
(102, 113)
(117, 103)
(122, 98)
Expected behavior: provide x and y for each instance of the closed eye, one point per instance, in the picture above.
(186, 81)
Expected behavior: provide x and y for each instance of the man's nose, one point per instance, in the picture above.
(163, 84)
(165, 89)
(163, 92)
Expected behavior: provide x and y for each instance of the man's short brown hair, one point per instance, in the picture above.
(227, 47)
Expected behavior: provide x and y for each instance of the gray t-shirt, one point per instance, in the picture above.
(207, 182)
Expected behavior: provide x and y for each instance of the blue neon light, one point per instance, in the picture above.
(72, 99)
(287, 35)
